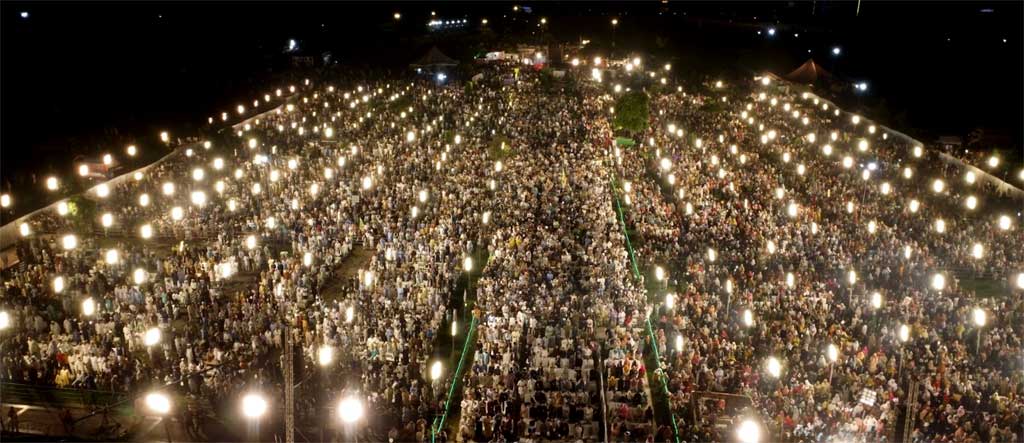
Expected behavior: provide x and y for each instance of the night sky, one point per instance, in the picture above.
(85, 78)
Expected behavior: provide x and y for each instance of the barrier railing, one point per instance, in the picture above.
(456, 377)
(650, 330)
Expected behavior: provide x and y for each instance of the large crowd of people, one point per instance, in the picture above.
(799, 267)
(814, 263)
(556, 300)
(216, 258)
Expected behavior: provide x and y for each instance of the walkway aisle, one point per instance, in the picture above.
(534, 374)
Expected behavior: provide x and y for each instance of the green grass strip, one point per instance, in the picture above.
(650, 329)
(439, 423)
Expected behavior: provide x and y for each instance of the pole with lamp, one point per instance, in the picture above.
(833, 355)
(659, 275)
(254, 406)
(748, 432)
(325, 356)
(159, 405)
(904, 336)
(351, 411)
(876, 304)
(980, 318)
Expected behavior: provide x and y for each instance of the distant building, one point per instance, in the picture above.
(950, 142)
(303, 61)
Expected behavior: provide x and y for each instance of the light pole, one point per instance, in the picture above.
(748, 432)
(350, 411)
(254, 405)
(833, 355)
(904, 336)
(467, 265)
(158, 404)
(980, 318)
(659, 274)
(325, 356)
(876, 303)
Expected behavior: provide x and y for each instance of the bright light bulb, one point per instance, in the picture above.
(1005, 223)
(69, 242)
(351, 410)
(253, 405)
(977, 251)
(774, 367)
(325, 355)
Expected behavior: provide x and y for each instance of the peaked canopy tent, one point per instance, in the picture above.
(808, 73)
(434, 59)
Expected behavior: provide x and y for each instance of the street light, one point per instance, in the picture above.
(368, 279)
(88, 307)
(350, 410)
(836, 50)
(254, 405)
(980, 317)
(938, 282)
(158, 403)
(774, 367)
(111, 257)
(146, 231)
(435, 370)
(139, 276)
(5, 320)
(748, 432)
(151, 337)
(904, 333)
(58, 284)
(325, 355)
(1005, 222)
(467, 264)
(977, 251)
(876, 300)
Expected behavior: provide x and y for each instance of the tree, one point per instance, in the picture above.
(632, 112)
